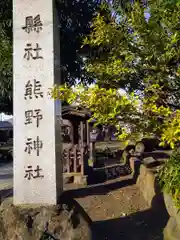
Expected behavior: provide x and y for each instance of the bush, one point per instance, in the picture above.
(169, 177)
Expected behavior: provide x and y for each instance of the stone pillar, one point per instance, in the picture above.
(37, 118)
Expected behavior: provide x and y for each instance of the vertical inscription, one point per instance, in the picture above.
(35, 124)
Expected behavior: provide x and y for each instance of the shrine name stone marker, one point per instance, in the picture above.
(36, 68)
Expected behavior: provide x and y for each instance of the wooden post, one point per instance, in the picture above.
(82, 161)
(82, 147)
(75, 158)
(88, 133)
(68, 160)
(72, 134)
(82, 133)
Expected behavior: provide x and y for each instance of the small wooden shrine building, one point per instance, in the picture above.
(76, 140)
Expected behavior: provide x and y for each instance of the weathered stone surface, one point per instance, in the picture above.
(140, 148)
(80, 179)
(12, 225)
(172, 230)
(146, 183)
(63, 222)
(37, 177)
(171, 208)
(148, 160)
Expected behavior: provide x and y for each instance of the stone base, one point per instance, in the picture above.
(80, 179)
(62, 222)
(146, 183)
(172, 230)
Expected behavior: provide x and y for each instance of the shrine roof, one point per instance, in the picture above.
(75, 111)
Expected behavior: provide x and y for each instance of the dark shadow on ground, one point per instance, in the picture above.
(5, 193)
(144, 225)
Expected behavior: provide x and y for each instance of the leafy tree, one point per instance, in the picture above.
(74, 20)
(137, 50)
(6, 56)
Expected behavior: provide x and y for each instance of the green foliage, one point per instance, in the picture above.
(141, 55)
(108, 106)
(169, 177)
(6, 56)
(75, 17)
(171, 130)
(135, 53)
(90, 162)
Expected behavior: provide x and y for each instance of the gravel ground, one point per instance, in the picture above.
(119, 211)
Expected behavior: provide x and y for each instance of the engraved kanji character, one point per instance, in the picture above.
(29, 173)
(37, 171)
(38, 144)
(28, 24)
(38, 116)
(28, 90)
(33, 24)
(37, 89)
(28, 52)
(29, 146)
(37, 50)
(37, 24)
(33, 89)
(28, 117)
(33, 145)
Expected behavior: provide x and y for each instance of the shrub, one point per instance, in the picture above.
(169, 177)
